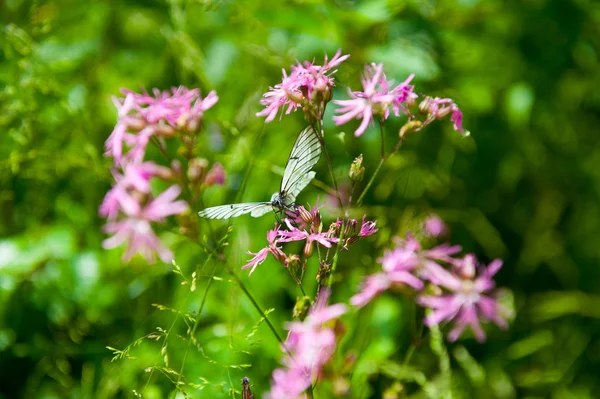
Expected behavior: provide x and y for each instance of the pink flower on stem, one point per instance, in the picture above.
(300, 86)
(367, 228)
(310, 345)
(375, 100)
(440, 108)
(405, 265)
(311, 236)
(215, 176)
(136, 178)
(434, 226)
(142, 116)
(272, 249)
(469, 297)
(135, 228)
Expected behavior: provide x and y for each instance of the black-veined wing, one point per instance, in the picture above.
(255, 209)
(305, 154)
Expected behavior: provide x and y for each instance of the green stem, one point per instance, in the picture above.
(197, 322)
(336, 255)
(258, 308)
(321, 137)
(372, 179)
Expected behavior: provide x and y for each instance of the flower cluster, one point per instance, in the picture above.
(308, 348)
(308, 86)
(378, 96)
(464, 292)
(143, 116)
(130, 206)
(375, 100)
(306, 226)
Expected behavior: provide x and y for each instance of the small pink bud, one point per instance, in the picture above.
(216, 175)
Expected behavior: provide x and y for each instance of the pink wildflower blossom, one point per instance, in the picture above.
(310, 345)
(404, 265)
(299, 86)
(367, 228)
(375, 100)
(272, 248)
(135, 229)
(434, 226)
(439, 108)
(215, 176)
(142, 116)
(469, 297)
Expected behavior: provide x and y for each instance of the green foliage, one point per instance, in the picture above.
(524, 187)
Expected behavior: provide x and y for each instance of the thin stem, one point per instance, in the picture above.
(336, 255)
(372, 179)
(197, 322)
(257, 306)
(321, 137)
(369, 184)
(382, 138)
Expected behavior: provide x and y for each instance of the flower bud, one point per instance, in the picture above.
(410, 127)
(425, 105)
(216, 175)
(196, 169)
(136, 124)
(323, 274)
(357, 170)
(308, 248)
(301, 308)
(189, 122)
(443, 112)
(341, 387)
(304, 214)
(164, 130)
(296, 97)
(316, 223)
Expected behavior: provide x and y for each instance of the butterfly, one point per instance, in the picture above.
(296, 176)
(246, 391)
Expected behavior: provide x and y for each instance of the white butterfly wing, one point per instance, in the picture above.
(299, 186)
(255, 209)
(305, 154)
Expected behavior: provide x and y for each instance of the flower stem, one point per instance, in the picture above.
(258, 308)
(372, 179)
(321, 137)
(197, 322)
(336, 255)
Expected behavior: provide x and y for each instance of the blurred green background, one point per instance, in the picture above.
(524, 187)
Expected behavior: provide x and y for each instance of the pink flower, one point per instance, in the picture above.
(375, 99)
(310, 345)
(136, 178)
(142, 116)
(434, 226)
(215, 176)
(469, 297)
(371, 287)
(272, 248)
(367, 228)
(439, 108)
(140, 239)
(311, 236)
(304, 81)
(404, 265)
(134, 227)
(288, 384)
